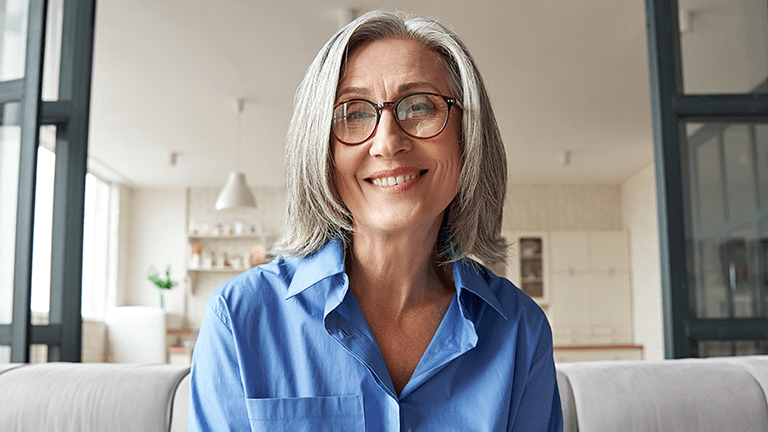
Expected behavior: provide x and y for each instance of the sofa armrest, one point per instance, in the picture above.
(89, 397)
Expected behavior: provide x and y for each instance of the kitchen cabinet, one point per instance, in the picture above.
(586, 286)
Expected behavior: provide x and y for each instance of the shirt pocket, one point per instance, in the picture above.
(315, 414)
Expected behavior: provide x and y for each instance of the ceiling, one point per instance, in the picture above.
(562, 76)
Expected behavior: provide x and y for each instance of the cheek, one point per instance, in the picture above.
(345, 162)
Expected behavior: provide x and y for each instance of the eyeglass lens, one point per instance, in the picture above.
(420, 115)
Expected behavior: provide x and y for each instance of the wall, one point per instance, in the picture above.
(156, 237)
(266, 218)
(640, 219)
(562, 208)
(152, 230)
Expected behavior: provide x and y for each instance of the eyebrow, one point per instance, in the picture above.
(402, 89)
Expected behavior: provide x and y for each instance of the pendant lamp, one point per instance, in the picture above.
(236, 193)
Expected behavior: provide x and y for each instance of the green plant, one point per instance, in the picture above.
(154, 277)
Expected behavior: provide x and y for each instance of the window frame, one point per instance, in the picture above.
(671, 110)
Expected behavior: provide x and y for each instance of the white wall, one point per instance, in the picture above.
(640, 219)
(156, 237)
(724, 50)
(562, 208)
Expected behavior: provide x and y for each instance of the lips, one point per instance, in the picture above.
(394, 179)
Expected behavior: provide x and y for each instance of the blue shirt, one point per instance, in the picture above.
(285, 346)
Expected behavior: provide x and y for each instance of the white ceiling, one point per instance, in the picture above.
(562, 75)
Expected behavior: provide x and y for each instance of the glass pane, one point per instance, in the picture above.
(761, 139)
(38, 353)
(708, 180)
(43, 227)
(716, 348)
(738, 169)
(739, 255)
(712, 295)
(5, 354)
(13, 38)
(723, 45)
(725, 255)
(10, 145)
(762, 258)
(749, 347)
(50, 91)
(95, 247)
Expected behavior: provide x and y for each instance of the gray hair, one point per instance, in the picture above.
(316, 214)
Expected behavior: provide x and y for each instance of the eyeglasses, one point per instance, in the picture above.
(419, 115)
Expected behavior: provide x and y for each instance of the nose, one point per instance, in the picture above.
(389, 139)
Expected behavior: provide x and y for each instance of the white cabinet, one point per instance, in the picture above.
(527, 265)
(608, 251)
(568, 251)
(585, 281)
(590, 288)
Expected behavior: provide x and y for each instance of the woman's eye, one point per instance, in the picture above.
(421, 107)
(359, 116)
(417, 110)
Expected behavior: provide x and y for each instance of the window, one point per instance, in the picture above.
(95, 241)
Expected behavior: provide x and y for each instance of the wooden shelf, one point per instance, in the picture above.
(596, 347)
(218, 270)
(179, 331)
(224, 237)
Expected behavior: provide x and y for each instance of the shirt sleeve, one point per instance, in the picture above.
(216, 399)
(540, 408)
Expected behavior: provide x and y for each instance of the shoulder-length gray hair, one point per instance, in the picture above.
(316, 214)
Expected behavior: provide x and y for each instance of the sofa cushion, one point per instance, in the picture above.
(567, 403)
(708, 395)
(94, 397)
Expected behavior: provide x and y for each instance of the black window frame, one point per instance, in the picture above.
(671, 110)
(70, 114)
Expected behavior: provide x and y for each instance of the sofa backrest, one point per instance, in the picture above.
(57, 397)
(701, 395)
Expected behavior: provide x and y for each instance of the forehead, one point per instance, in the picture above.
(392, 62)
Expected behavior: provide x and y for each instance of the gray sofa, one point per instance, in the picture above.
(722, 394)
(84, 397)
(698, 395)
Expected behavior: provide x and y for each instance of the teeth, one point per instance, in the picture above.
(392, 181)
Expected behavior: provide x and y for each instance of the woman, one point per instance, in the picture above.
(374, 317)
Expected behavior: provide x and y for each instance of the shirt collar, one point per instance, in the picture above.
(471, 276)
(329, 261)
(326, 262)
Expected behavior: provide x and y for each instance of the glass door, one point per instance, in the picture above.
(709, 79)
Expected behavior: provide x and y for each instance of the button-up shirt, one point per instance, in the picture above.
(285, 346)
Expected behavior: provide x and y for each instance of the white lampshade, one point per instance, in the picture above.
(236, 193)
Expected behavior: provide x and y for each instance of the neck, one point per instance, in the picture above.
(398, 272)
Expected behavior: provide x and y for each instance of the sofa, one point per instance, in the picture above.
(84, 397)
(702, 395)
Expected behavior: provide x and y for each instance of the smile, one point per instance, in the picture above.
(395, 180)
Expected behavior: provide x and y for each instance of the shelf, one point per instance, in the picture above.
(225, 237)
(218, 270)
(179, 331)
(596, 347)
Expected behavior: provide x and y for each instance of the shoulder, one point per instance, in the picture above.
(516, 306)
(260, 287)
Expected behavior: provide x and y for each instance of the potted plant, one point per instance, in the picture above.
(163, 284)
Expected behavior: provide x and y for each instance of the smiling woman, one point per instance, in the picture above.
(375, 317)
